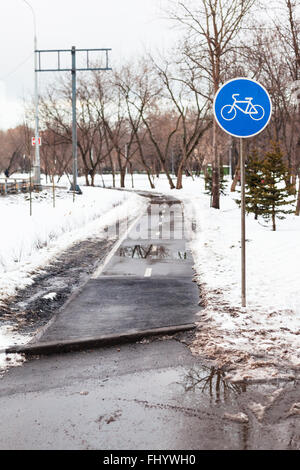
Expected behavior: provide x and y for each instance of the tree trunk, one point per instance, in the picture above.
(172, 186)
(294, 183)
(112, 170)
(274, 221)
(206, 175)
(152, 186)
(179, 177)
(132, 181)
(180, 173)
(103, 182)
(236, 176)
(200, 166)
(215, 171)
(113, 175)
(122, 177)
(298, 199)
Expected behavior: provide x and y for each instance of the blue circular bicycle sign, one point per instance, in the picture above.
(242, 107)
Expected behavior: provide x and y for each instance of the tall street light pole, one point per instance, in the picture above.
(37, 165)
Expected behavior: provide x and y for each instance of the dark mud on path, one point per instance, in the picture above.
(29, 310)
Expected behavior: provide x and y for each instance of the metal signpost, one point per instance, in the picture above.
(59, 67)
(242, 108)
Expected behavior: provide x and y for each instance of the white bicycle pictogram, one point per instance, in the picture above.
(255, 111)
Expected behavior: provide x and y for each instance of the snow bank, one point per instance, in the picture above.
(263, 340)
(8, 338)
(27, 243)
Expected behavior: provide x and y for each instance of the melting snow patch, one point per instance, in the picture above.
(238, 417)
(9, 338)
(29, 243)
(50, 296)
(295, 409)
(258, 409)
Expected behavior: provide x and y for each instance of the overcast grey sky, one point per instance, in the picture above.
(127, 26)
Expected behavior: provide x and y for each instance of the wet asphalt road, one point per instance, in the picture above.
(143, 396)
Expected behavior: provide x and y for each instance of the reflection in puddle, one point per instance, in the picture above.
(151, 251)
(211, 380)
(137, 251)
(203, 392)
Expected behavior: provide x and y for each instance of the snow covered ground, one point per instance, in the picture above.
(29, 243)
(262, 340)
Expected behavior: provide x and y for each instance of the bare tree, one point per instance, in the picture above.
(56, 154)
(55, 111)
(212, 27)
(111, 109)
(126, 81)
(182, 88)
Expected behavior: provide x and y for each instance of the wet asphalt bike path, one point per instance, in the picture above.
(146, 284)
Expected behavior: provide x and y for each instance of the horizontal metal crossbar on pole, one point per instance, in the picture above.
(70, 70)
(70, 50)
(58, 52)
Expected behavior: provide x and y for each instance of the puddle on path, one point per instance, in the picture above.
(209, 410)
(153, 252)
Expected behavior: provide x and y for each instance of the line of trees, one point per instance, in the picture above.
(155, 115)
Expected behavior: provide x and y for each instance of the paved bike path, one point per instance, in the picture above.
(147, 283)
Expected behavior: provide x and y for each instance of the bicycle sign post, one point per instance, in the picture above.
(242, 108)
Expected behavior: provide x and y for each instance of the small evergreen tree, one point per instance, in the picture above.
(208, 181)
(273, 196)
(254, 183)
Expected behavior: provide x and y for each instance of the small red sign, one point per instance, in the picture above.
(33, 141)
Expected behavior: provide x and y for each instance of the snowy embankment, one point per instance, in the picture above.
(28, 243)
(262, 340)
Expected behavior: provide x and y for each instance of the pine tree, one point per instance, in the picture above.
(254, 183)
(274, 196)
(208, 181)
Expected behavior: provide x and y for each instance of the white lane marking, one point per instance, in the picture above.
(148, 272)
(100, 269)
